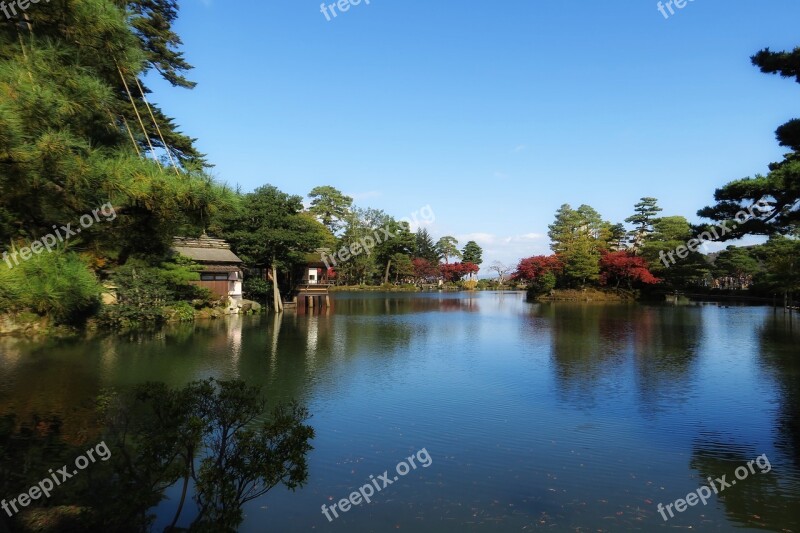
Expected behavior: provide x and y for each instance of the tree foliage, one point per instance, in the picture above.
(454, 272)
(59, 284)
(270, 228)
(447, 247)
(70, 140)
(330, 206)
(779, 190)
(424, 246)
(472, 253)
(532, 268)
(736, 262)
(216, 437)
(670, 233)
(781, 258)
(577, 237)
(424, 270)
(645, 212)
(622, 266)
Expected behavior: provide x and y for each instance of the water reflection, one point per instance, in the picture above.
(779, 337)
(571, 414)
(665, 348)
(763, 499)
(401, 304)
(589, 344)
(304, 349)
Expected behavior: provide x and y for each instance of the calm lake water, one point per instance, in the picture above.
(561, 417)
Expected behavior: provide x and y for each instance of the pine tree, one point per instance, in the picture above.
(330, 206)
(66, 122)
(447, 247)
(645, 214)
(472, 253)
(424, 247)
(577, 237)
(779, 191)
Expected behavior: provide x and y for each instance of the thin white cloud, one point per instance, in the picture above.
(481, 238)
(507, 249)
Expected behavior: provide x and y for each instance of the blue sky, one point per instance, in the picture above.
(492, 114)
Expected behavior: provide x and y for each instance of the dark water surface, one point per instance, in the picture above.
(558, 417)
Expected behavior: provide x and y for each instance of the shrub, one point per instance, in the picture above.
(57, 284)
(542, 284)
(181, 311)
(147, 293)
(257, 289)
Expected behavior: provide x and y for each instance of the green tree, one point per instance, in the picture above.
(592, 223)
(269, 229)
(582, 261)
(644, 215)
(577, 237)
(362, 226)
(424, 247)
(70, 84)
(617, 237)
(330, 206)
(472, 253)
(447, 247)
(669, 234)
(776, 194)
(737, 263)
(781, 257)
(400, 242)
(152, 23)
(402, 267)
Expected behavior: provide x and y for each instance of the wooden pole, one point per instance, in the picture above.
(276, 293)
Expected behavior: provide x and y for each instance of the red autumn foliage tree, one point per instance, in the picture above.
(455, 271)
(618, 267)
(533, 268)
(424, 269)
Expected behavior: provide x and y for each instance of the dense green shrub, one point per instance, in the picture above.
(147, 293)
(542, 285)
(181, 311)
(257, 289)
(57, 284)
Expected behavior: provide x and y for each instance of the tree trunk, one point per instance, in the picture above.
(276, 293)
(180, 504)
(386, 274)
